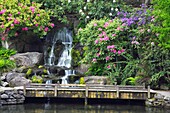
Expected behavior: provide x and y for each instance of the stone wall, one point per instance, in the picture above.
(11, 95)
(159, 101)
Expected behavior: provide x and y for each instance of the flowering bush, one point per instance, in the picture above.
(105, 42)
(20, 17)
(125, 48)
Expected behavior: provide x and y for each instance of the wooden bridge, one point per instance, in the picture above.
(88, 91)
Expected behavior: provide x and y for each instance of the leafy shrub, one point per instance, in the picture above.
(5, 63)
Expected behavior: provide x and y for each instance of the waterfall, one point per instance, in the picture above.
(65, 37)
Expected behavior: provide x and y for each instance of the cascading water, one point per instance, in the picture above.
(65, 36)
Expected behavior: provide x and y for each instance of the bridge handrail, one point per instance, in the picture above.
(90, 86)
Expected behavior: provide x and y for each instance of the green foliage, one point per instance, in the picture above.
(162, 26)
(6, 53)
(84, 11)
(5, 63)
(19, 16)
(36, 79)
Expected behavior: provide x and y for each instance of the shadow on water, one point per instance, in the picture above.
(61, 105)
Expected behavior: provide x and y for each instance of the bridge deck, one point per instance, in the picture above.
(88, 91)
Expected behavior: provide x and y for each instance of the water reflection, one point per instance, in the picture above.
(75, 108)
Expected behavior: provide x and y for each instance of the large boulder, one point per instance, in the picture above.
(28, 59)
(16, 79)
(96, 80)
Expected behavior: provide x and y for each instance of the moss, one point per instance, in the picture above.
(45, 71)
(40, 66)
(82, 80)
(29, 71)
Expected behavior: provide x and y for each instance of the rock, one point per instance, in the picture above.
(29, 59)
(4, 96)
(96, 80)
(3, 77)
(164, 87)
(159, 97)
(12, 75)
(19, 81)
(4, 84)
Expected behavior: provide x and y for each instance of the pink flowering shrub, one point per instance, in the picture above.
(20, 17)
(105, 44)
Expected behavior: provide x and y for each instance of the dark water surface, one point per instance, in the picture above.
(75, 107)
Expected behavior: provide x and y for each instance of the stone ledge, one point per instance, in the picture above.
(10, 95)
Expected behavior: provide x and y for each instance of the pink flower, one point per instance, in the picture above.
(118, 28)
(2, 26)
(113, 34)
(9, 19)
(36, 25)
(16, 34)
(107, 58)
(52, 24)
(119, 52)
(9, 14)
(100, 29)
(94, 60)
(106, 24)
(110, 20)
(110, 47)
(46, 29)
(104, 33)
(100, 35)
(106, 38)
(96, 41)
(3, 38)
(98, 54)
(80, 29)
(38, 14)
(124, 24)
(149, 30)
(95, 24)
(19, 13)
(3, 11)
(108, 66)
(12, 25)
(101, 39)
(16, 21)
(123, 50)
(25, 29)
(114, 51)
(157, 34)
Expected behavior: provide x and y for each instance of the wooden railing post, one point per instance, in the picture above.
(117, 91)
(149, 92)
(86, 95)
(24, 90)
(55, 90)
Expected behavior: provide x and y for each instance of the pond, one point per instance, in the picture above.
(74, 107)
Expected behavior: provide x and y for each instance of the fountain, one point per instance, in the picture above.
(65, 37)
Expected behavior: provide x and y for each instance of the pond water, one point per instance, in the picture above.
(74, 107)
